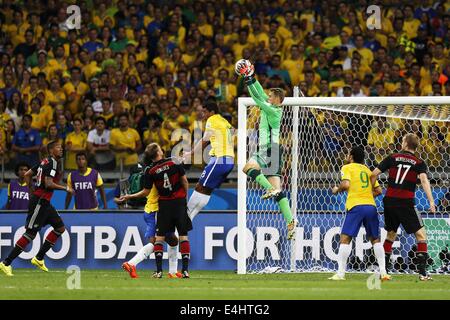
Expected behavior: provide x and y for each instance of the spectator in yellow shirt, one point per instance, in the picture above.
(367, 55)
(170, 125)
(125, 142)
(155, 133)
(333, 40)
(39, 121)
(74, 90)
(52, 135)
(76, 141)
(203, 26)
(381, 140)
(258, 37)
(242, 43)
(410, 24)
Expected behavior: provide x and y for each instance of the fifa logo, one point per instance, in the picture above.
(20, 195)
(374, 20)
(83, 185)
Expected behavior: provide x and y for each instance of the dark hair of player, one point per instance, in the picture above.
(124, 114)
(412, 141)
(151, 151)
(278, 92)
(19, 165)
(81, 154)
(51, 145)
(212, 106)
(358, 154)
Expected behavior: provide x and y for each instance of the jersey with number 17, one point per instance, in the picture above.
(166, 176)
(404, 168)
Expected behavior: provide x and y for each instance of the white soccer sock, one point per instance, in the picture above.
(344, 253)
(379, 254)
(172, 253)
(142, 254)
(197, 202)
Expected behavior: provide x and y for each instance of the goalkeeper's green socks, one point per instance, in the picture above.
(281, 199)
(260, 178)
(283, 203)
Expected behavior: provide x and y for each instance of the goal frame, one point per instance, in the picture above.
(299, 102)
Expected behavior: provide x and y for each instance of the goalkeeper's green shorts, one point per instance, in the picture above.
(270, 159)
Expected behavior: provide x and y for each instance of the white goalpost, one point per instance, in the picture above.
(315, 136)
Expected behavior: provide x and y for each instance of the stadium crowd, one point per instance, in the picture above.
(137, 70)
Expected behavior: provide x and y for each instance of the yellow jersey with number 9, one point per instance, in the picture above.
(360, 191)
(152, 201)
(221, 138)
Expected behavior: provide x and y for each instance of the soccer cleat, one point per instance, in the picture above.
(157, 275)
(6, 269)
(40, 264)
(185, 275)
(131, 269)
(385, 277)
(176, 275)
(270, 194)
(292, 227)
(425, 277)
(337, 277)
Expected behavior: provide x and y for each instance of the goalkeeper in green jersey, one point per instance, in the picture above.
(268, 156)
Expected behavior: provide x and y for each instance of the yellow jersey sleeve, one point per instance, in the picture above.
(113, 137)
(69, 180)
(152, 201)
(99, 180)
(376, 184)
(346, 173)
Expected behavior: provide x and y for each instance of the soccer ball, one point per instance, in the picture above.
(244, 68)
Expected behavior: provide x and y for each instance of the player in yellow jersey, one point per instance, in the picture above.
(361, 210)
(219, 132)
(150, 211)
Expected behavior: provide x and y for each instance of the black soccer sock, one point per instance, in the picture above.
(422, 257)
(387, 245)
(49, 242)
(21, 244)
(185, 250)
(158, 250)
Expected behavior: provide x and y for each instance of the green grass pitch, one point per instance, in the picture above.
(116, 284)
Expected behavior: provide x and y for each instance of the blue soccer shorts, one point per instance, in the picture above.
(216, 172)
(362, 215)
(150, 221)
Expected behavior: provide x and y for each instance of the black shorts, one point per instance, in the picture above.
(173, 214)
(408, 217)
(42, 213)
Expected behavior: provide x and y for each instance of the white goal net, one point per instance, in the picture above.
(316, 135)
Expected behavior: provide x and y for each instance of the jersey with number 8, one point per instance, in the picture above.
(166, 176)
(404, 168)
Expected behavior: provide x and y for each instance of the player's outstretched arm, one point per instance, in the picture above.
(427, 188)
(374, 176)
(344, 186)
(50, 184)
(141, 194)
